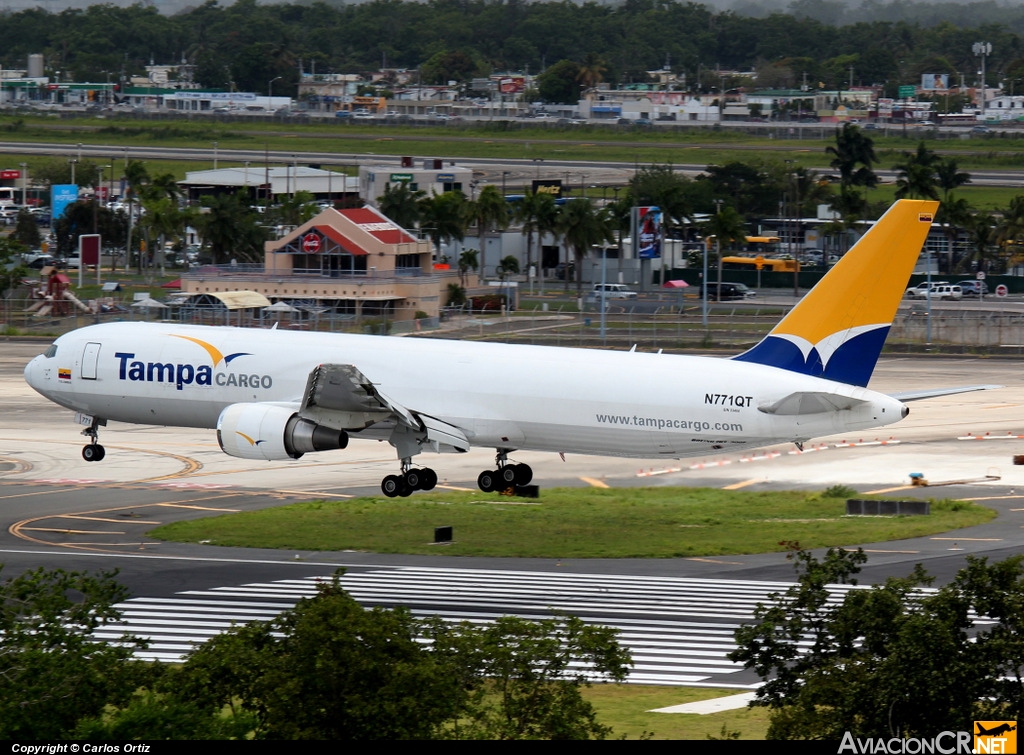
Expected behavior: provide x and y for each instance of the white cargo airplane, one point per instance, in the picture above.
(277, 395)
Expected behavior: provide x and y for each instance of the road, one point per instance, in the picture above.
(677, 615)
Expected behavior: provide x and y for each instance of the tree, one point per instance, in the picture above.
(230, 229)
(582, 226)
(489, 212)
(727, 227)
(330, 669)
(53, 671)
(559, 83)
(890, 660)
(538, 214)
(916, 177)
(853, 149)
(443, 217)
(468, 260)
(524, 677)
(11, 269)
(400, 204)
(26, 230)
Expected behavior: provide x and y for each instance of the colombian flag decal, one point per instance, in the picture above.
(63, 373)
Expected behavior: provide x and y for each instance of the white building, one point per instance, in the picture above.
(431, 175)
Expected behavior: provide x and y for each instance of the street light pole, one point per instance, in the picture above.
(24, 184)
(270, 88)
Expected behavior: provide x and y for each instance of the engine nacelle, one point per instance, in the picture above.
(266, 431)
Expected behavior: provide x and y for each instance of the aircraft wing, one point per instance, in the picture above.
(342, 393)
(918, 395)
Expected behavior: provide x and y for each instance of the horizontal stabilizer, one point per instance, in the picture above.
(809, 402)
(918, 395)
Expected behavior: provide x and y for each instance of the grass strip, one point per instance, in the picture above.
(662, 522)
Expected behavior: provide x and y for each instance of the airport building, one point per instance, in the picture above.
(345, 264)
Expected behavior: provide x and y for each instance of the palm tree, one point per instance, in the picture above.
(853, 148)
(489, 212)
(136, 177)
(949, 177)
(468, 260)
(231, 230)
(400, 204)
(443, 217)
(538, 214)
(954, 214)
(727, 227)
(916, 174)
(582, 226)
(591, 72)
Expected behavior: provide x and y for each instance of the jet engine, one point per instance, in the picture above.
(272, 432)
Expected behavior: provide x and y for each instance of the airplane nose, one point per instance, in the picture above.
(33, 374)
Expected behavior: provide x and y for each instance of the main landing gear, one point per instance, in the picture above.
(505, 476)
(94, 451)
(411, 479)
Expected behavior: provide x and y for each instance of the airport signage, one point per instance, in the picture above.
(9, 175)
(445, 178)
(401, 176)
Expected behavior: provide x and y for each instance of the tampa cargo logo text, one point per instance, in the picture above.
(185, 373)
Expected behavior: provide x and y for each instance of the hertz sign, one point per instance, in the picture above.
(548, 186)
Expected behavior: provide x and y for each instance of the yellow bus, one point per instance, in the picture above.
(760, 263)
(762, 246)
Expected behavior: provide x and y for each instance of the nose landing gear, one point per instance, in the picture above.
(94, 451)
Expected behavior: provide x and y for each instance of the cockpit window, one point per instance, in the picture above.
(51, 352)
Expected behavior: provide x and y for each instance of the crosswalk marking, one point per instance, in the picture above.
(679, 630)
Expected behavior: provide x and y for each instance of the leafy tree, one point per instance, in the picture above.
(488, 212)
(443, 217)
(509, 265)
(26, 230)
(524, 677)
(852, 149)
(400, 204)
(230, 229)
(559, 83)
(890, 660)
(11, 269)
(728, 228)
(359, 674)
(331, 669)
(916, 177)
(582, 226)
(294, 209)
(469, 259)
(52, 670)
(538, 214)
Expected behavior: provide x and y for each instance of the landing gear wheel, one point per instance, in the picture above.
(428, 479)
(406, 491)
(508, 474)
(414, 479)
(392, 485)
(524, 474)
(93, 452)
(488, 480)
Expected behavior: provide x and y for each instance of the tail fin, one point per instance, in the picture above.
(838, 329)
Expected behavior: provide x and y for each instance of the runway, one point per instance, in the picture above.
(677, 615)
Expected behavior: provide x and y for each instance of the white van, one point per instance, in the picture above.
(613, 291)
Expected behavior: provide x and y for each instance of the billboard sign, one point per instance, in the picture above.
(548, 186)
(647, 222)
(61, 195)
(10, 175)
(932, 81)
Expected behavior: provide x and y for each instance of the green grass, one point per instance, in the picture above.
(705, 145)
(626, 708)
(571, 523)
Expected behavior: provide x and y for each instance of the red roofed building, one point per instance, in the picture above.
(352, 262)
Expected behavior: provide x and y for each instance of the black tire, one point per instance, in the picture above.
(487, 481)
(507, 474)
(414, 479)
(101, 452)
(524, 474)
(391, 485)
(429, 479)
(405, 490)
(89, 453)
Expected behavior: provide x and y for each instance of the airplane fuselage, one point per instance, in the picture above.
(502, 396)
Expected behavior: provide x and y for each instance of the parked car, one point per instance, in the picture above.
(613, 291)
(920, 291)
(943, 292)
(980, 130)
(729, 292)
(973, 288)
